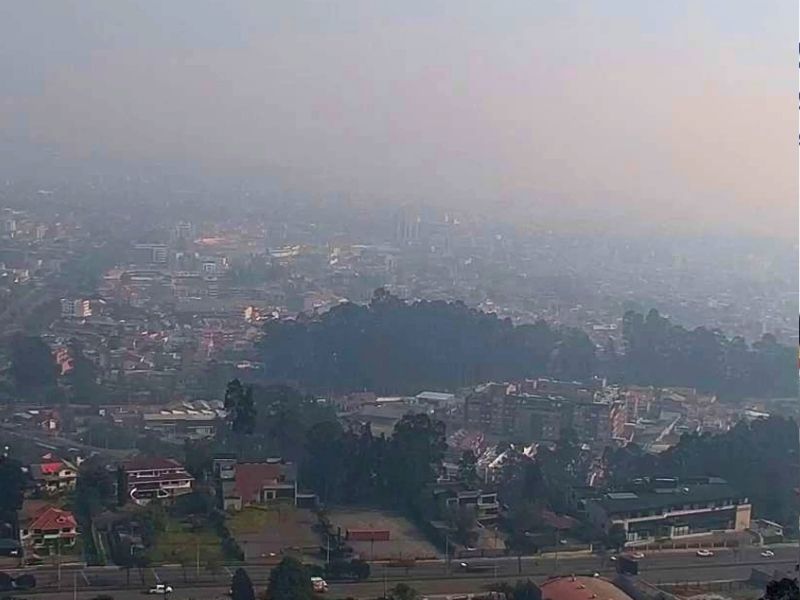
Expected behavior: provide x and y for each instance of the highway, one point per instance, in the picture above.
(430, 577)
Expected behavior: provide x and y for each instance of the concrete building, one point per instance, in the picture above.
(75, 308)
(654, 509)
(509, 413)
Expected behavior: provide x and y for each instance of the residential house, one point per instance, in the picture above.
(54, 475)
(243, 484)
(485, 504)
(42, 526)
(147, 479)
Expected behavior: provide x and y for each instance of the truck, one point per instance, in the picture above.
(627, 565)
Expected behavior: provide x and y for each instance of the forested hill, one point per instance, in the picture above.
(395, 347)
(390, 346)
(660, 353)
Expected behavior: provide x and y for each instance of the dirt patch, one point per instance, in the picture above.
(405, 540)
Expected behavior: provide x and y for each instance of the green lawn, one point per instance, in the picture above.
(252, 519)
(180, 542)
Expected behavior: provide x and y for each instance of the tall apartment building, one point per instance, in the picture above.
(75, 308)
(504, 411)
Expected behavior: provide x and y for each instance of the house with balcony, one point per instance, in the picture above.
(485, 504)
(146, 479)
(43, 528)
(53, 475)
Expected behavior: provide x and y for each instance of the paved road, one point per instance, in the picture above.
(432, 577)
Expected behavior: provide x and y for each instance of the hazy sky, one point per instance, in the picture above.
(683, 108)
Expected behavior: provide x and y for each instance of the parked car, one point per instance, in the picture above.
(160, 588)
(703, 553)
(768, 554)
(637, 555)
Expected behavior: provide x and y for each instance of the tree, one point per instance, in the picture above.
(94, 489)
(463, 521)
(12, 482)
(403, 591)
(783, 589)
(240, 407)
(242, 586)
(392, 346)
(290, 581)
(526, 590)
(617, 537)
(325, 459)
(360, 569)
(416, 451)
(82, 378)
(467, 468)
(32, 362)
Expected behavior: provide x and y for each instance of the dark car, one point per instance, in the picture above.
(25, 582)
(6, 582)
(473, 568)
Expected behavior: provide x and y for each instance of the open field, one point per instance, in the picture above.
(265, 533)
(181, 542)
(405, 541)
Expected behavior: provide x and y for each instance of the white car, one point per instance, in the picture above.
(704, 553)
(160, 588)
(319, 584)
(768, 554)
(638, 555)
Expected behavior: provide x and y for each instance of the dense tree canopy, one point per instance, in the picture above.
(760, 459)
(32, 362)
(290, 580)
(242, 586)
(356, 466)
(391, 346)
(660, 353)
(12, 484)
(241, 408)
(398, 347)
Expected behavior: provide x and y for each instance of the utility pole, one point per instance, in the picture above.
(197, 560)
(555, 565)
(384, 580)
(74, 586)
(328, 554)
(447, 553)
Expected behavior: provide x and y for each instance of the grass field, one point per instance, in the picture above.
(267, 533)
(252, 520)
(180, 542)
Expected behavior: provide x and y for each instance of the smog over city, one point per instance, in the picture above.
(398, 300)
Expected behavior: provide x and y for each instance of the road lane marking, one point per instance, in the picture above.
(228, 569)
(85, 578)
(158, 579)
